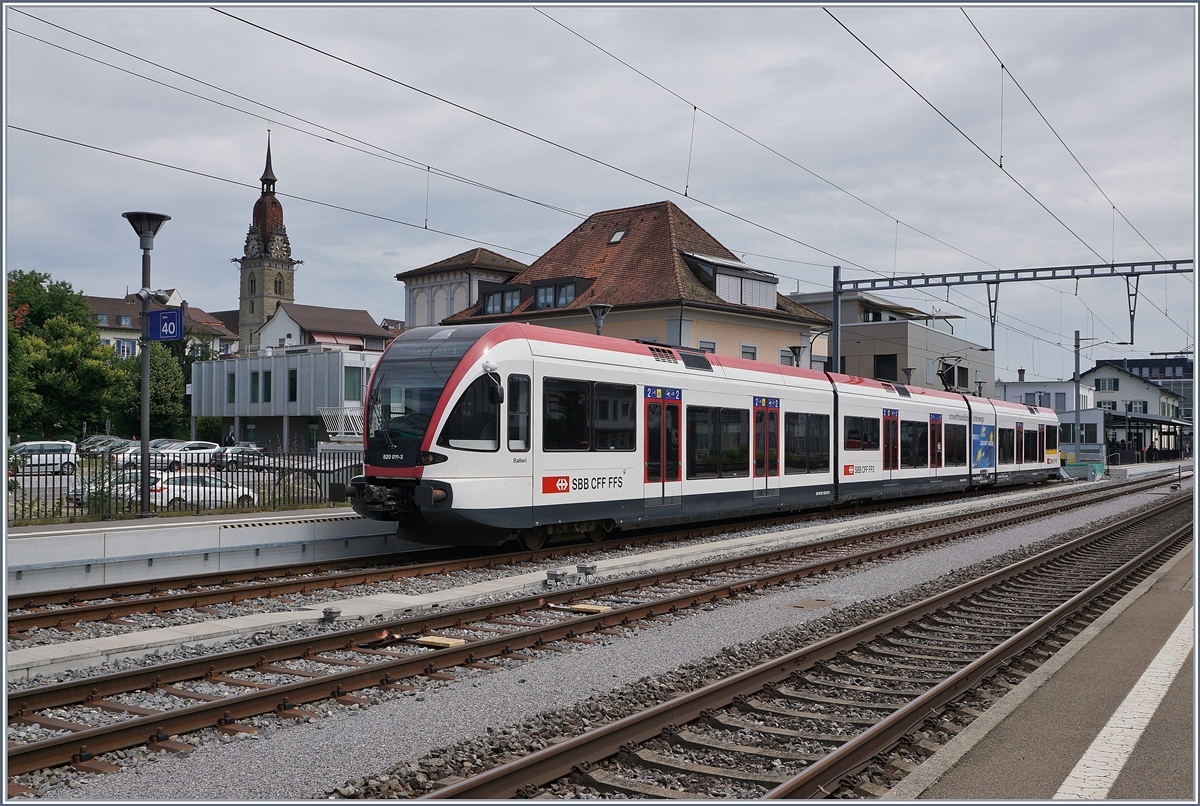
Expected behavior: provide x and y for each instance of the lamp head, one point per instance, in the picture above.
(146, 225)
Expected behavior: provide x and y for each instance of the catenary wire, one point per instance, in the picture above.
(791, 161)
(1059, 137)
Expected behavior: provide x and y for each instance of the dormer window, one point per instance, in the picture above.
(491, 303)
(618, 235)
(123, 321)
(511, 300)
(102, 319)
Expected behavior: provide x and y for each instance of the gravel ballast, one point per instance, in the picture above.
(353, 751)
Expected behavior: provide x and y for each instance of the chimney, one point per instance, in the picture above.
(1020, 376)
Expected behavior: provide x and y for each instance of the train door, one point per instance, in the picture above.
(1041, 448)
(766, 446)
(891, 447)
(936, 458)
(1019, 448)
(661, 452)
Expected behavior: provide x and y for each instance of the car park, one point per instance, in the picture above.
(185, 491)
(231, 458)
(46, 457)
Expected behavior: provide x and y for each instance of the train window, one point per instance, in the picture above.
(956, 445)
(1031, 447)
(1005, 441)
(818, 443)
(861, 433)
(474, 422)
(718, 442)
(613, 431)
(703, 442)
(805, 443)
(914, 444)
(566, 415)
(518, 413)
(735, 443)
(1051, 438)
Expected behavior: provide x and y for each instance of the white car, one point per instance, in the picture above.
(50, 456)
(185, 491)
(192, 452)
(131, 458)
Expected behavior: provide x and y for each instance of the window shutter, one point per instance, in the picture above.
(1116, 384)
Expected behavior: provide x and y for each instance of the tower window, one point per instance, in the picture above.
(252, 285)
(251, 306)
(279, 285)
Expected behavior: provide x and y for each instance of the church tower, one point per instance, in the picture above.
(267, 268)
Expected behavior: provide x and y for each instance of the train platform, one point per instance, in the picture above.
(1109, 716)
(1125, 472)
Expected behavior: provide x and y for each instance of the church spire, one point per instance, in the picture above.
(268, 177)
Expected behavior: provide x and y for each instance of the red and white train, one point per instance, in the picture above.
(480, 434)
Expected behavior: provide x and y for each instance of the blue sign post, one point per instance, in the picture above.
(166, 325)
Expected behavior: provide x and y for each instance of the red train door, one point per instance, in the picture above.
(661, 453)
(1041, 450)
(1019, 448)
(891, 443)
(936, 459)
(766, 445)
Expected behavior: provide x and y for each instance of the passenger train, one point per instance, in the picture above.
(481, 434)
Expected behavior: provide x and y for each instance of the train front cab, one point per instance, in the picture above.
(897, 441)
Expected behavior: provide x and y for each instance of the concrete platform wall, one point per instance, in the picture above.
(115, 553)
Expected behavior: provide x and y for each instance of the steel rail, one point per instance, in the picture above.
(61, 749)
(274, 587)
(74, 691)
(821, 777)
(554, 762)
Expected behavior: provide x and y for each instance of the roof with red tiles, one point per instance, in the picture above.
(645, 266)
(471, 259)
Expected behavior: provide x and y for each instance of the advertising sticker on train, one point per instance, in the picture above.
(661, 393)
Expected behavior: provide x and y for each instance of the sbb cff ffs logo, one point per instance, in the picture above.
(555, 484)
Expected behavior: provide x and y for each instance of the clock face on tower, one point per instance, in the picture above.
(253, 248)
(279, 249)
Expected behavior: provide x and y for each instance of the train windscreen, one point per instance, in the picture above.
(405, 391)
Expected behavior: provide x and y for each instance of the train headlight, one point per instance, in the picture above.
(430, 458)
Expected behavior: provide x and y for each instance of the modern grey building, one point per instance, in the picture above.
(883, 339)
(288, 398)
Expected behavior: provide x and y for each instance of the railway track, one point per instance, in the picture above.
(804, 724)
(64, 609)
(79, 719)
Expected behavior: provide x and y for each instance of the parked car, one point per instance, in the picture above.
(163, 443)
(254, 445)
(131, 458)
(183, 491)
(101, 445)
(124, 486)
(194, 452)
(231, 458)
(47, 457)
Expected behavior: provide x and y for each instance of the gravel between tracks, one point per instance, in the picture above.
(356, 752)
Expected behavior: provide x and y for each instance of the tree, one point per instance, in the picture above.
(67, 377)
(168, 417)
(44, 299)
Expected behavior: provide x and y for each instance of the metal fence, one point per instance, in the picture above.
(99, 489)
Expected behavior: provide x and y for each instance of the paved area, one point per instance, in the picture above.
(1110, 716)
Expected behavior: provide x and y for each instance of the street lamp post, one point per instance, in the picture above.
(599, 310)
(146, 225)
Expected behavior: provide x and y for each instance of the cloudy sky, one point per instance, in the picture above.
(505, 126)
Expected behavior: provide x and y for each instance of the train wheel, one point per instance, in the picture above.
(532, 540)
(597, 534)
